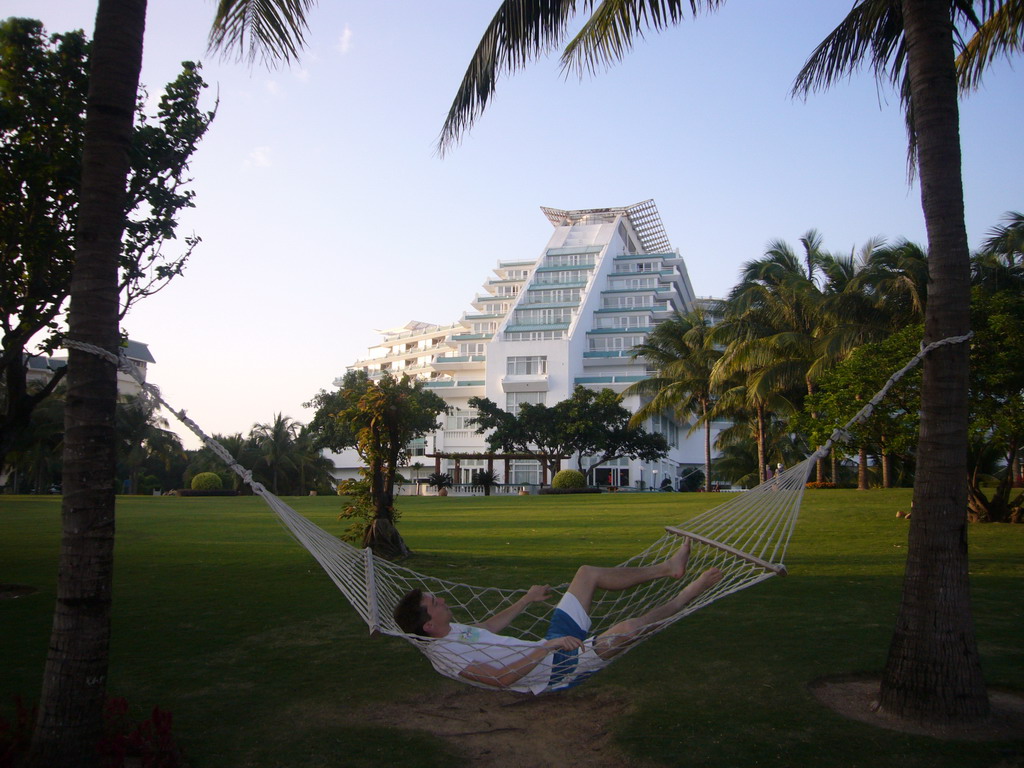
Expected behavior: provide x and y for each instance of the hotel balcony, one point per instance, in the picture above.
(459, 362)
(474, 388)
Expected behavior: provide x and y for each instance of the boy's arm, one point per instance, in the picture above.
(496, 623)
(503, 677)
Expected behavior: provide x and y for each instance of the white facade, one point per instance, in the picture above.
(569, 316)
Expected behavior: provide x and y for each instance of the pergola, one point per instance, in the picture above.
(491, 458)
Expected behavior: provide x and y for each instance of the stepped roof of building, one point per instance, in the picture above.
(643, 216)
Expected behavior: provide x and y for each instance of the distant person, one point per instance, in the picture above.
(568, 653)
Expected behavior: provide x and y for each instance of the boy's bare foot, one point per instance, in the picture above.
(708, 579)
(677, 563)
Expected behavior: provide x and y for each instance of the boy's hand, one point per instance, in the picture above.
(538, 593)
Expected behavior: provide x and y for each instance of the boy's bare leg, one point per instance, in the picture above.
(590, 578)
(610, 643)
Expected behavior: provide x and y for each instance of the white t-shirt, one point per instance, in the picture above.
(466, 645)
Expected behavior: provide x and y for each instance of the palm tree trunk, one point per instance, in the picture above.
(707, 451)
(862, 468)
(933, 670)
(761, 448)
(74, 681)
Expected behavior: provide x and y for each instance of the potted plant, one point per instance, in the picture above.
(442, 481)
(487, 478)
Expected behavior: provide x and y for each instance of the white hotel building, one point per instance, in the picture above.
(543, 325)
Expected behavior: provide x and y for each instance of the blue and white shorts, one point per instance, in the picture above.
(569, 619)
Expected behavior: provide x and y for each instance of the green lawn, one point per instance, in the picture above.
(221, 618)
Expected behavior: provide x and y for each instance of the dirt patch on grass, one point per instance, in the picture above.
(12, 591)
(857, 699)
(496, 730)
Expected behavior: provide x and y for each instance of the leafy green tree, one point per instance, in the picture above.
(891, 431)
(326, 429)
(379, 419)
(599, 429)
(533, 431)
(43, 83)
(587, 424)
(997, 377)
(681, 351)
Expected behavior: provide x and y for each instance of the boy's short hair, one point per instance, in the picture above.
(410, 614)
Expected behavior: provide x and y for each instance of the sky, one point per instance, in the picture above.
(325, 212)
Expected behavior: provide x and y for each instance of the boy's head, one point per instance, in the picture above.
(410, 614)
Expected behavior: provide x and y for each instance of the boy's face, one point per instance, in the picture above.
(440, 615)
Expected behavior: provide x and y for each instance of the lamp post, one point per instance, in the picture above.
(654, 485)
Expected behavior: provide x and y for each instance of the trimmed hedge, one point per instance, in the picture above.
(207, 481)
(555, 491)
(190, 492)
(569, 478)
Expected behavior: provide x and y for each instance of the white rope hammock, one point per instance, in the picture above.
(746, 538)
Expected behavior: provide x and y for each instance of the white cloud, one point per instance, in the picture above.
(345, 40)
(258, 158)
(302, 75)
(273, 88)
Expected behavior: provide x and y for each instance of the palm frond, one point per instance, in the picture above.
(612, 28)
(271, 30)
(520, 31)
(873, 27)
(1001, 33)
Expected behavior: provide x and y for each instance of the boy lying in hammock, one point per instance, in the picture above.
(567, 655)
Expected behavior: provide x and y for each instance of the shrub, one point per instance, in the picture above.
(439, 480)
(816, 484)
(207, 481)
(569, 479)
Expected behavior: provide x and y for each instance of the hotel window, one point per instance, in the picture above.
(553, 296)
(515, 399)
(602, 343)
(568, 276)
(526, 366)
(534, 335)
(459, 419)
(471, 348)
(570, 260)
(524, 472)
(548, 316)
(666, 426)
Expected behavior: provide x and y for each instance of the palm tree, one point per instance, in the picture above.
(895, 278)
(69, 722)
(913, 43)
(681, 351)
(71, 701)
(275, 444)
(774, 325)
(999, 264)
(142, 434)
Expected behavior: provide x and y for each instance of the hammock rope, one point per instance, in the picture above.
(746, 538)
